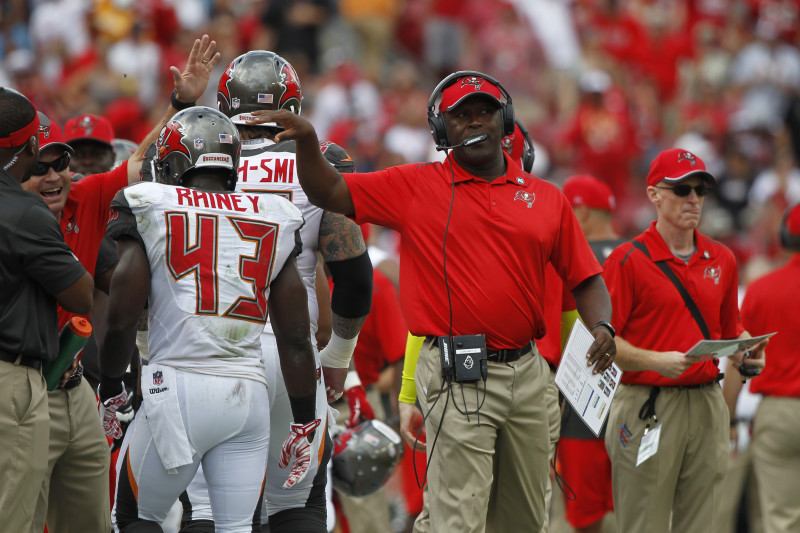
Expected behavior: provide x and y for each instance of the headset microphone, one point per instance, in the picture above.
(469, 141)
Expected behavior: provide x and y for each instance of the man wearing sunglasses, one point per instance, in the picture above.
(670, 288)
(75, 494)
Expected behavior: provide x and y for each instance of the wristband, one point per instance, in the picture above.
(606, 325)
(338, 352)
(177, 104)
(352, 380)
(304, 409)
(109, 387)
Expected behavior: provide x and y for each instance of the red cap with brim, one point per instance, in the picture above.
(676, 165)
(468, 86)
(89, 128)
(589, 191)
(50, 135)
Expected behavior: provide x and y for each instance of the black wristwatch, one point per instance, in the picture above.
(606, 325)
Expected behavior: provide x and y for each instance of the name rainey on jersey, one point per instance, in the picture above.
(213, 200)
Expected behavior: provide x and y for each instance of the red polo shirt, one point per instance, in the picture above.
(382, 340)
(770, 304)
(648, 310)
(557, 300)
(500, 237)
(84, 217)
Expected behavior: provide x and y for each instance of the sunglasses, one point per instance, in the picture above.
(58, 165)
(685, 190)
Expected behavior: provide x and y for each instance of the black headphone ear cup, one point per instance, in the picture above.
(508, 118)
(438, 130)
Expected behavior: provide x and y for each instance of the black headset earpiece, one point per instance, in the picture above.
(436, 119)
(528, 153)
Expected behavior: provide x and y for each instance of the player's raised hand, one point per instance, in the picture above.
(191, 83)
(294, 126)
(296, 451)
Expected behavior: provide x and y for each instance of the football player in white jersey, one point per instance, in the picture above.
(263, 80)
(209, 263)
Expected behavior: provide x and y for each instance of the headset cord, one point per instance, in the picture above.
(435, 437)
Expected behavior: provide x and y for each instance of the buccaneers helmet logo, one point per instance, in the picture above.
(44, 130)
(508, 143)
(291, 83)
(222, 88)
(170, 140)
(527, 197)
(687, 156)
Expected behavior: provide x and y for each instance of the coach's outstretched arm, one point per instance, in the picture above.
(323, 184)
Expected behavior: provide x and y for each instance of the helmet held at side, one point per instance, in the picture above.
(364, 457)
(258, 80)
(197, 138)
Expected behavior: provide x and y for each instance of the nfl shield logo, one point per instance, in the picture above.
(198, 144)
(235, 103)
(158, 378)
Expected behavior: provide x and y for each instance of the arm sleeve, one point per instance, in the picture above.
(121, 221)
(408, 388)
(46, 257)
(107, 256)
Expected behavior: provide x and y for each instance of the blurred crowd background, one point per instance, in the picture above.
(602, 85)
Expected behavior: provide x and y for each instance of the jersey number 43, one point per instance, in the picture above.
(201, 261)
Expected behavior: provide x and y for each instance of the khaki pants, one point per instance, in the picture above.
(554, 418)
(487, 472)
(776, 458)
(74, 496)
(24, 427)
(368, 514)
(682, 481)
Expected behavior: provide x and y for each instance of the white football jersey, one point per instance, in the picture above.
(269, 168)
(212, 257)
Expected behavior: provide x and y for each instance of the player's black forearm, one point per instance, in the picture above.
(130, 287)
(592, 300)
(288, 305)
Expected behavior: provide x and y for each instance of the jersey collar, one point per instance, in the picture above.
(514, 173)
(659, 250)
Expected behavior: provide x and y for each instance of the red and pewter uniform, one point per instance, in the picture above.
(640, 294)
(271, 169)
(770, 304)
(524, 222)
(212, 258)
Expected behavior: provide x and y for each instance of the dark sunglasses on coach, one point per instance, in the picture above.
(57, 164)
(685, 190)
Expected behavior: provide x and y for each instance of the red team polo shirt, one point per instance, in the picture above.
(770, 304)
(506, 231)
(84, 217)
(649, 312)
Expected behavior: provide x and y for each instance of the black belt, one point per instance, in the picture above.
(31, 362)
(496, 356)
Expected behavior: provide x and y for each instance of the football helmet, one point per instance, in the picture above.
(364, 456)
(258, 80)
(198, 137)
